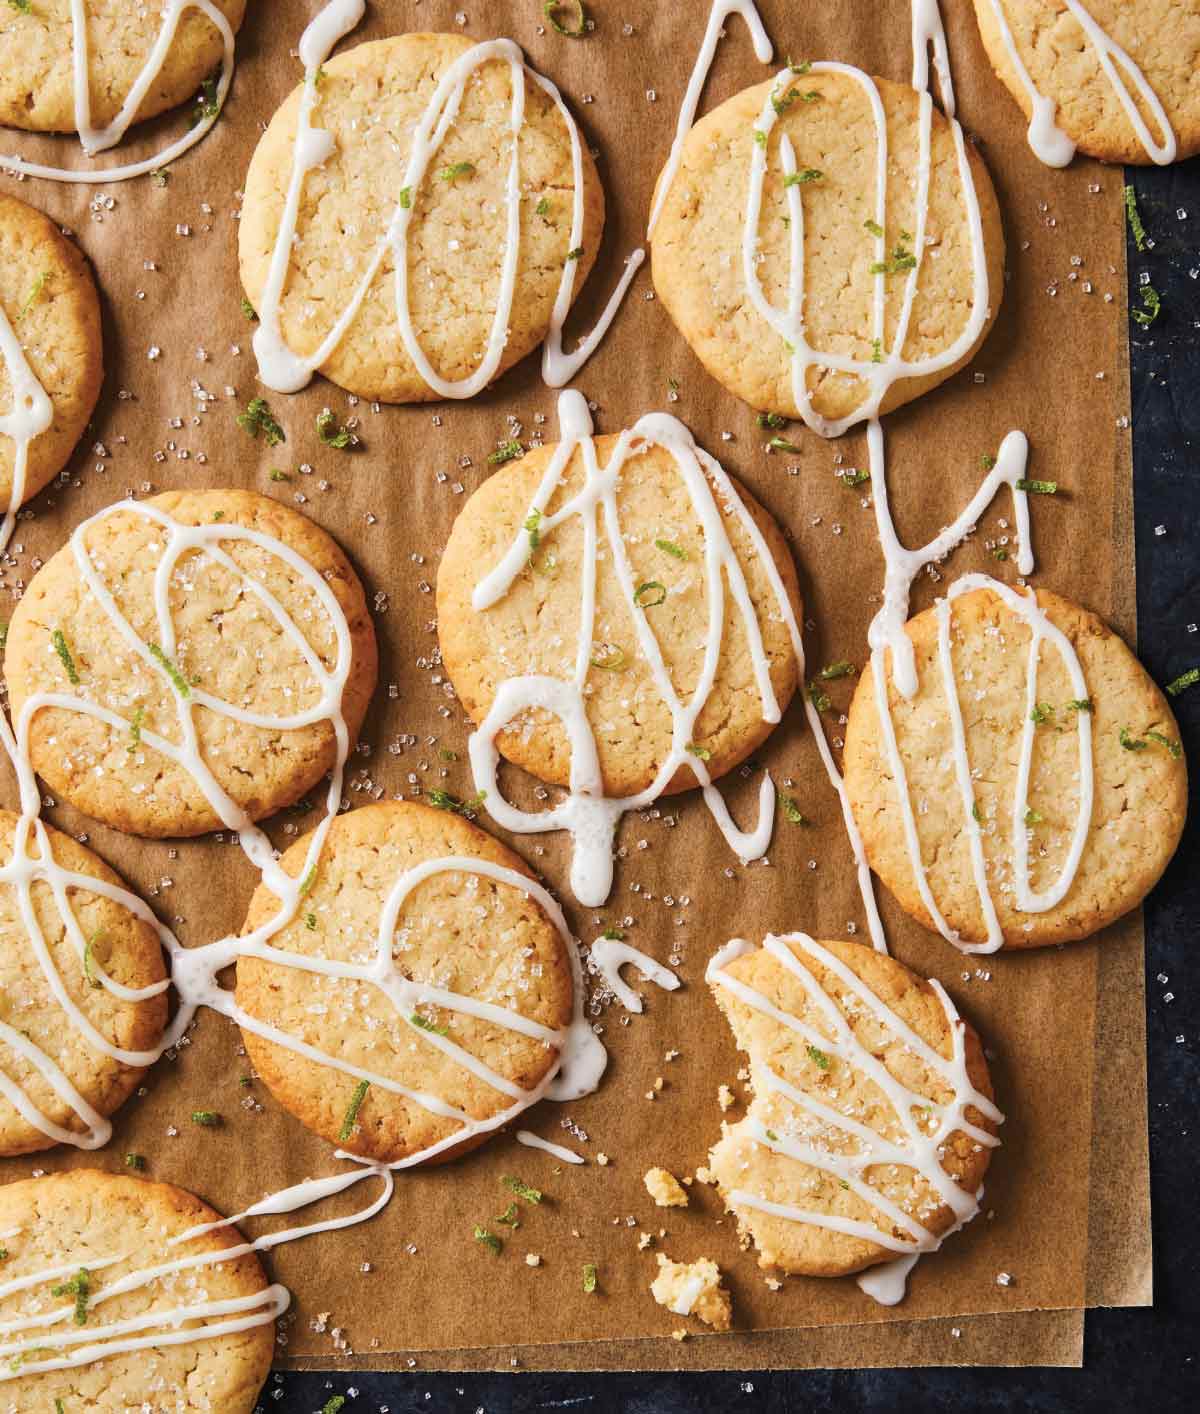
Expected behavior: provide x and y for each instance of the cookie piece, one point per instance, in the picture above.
(37, 88)
(230, 653)
(459, 939)
(1140, 791)
(665, 1189)
(49, 299)
(371, 99)
(693, 1289)
(1117, 81)
(838, 1165)
(87, 1231)
(698, 263)
(534, 627)
(113, 943)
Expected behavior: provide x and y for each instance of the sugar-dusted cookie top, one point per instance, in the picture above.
(1116, 739)
(822, 254)
(534, 627)
(95, 1238)
(262, 623)
(49, 300)
(872, 1122)
(479, 987)
(109, 945)
(370, 101)
(1117, 80)
(37, 85)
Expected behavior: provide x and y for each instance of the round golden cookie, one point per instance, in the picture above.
(750, 1158)
(115, 943)
(462, 932)
(37, 89)
(697, 251)
(49, 299)
(1062, 64)
(228, 646)
(1139, 774)
(67, 1225)
(371, 99)
(534, 628)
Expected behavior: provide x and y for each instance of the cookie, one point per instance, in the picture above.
(533, 629)
(37, 89)
(1111, 730)
(832, 363)
(472, 957)
(370, 100)
(88, 1232)
(112, 943)
(872, 1121)
(1113, 80)
(49, 300)
(262, 716)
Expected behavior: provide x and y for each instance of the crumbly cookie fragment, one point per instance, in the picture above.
(665, 1188)
(693, 1289)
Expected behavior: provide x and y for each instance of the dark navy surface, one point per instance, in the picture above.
(1139, 1360)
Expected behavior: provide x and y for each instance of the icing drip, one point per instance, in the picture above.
(95, 140)
(1048, 141)
(609, 956)
(286, 371)
(532, 1141)
(589, 815)
(888, 364)
(918, 1147)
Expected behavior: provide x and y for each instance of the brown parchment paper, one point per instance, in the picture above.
(1067, 1210)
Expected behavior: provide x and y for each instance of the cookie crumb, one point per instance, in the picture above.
(603, 1160)
(693, 1289)
(532, 1259)
(665, 1189)
(725, 1097)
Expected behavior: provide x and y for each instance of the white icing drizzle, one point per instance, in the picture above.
(579, 1060)
(1048, 141)
(713, 33)
(72, 1349)
(286, 371)
(96, 140)
(919, 1147)
(609, 955)
(887, 634)
(534, 1141)
(31, 414)
(589, 815)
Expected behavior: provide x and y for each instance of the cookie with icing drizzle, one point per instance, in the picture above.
(51, 351)
(483, 232)
(82, 991)
(37, 59)
(621, 619)
(423, 992)
(1113, 80)
(188, 662)
(1032, 789)
(116, 1294)
(829, 245)
(873, 1117)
